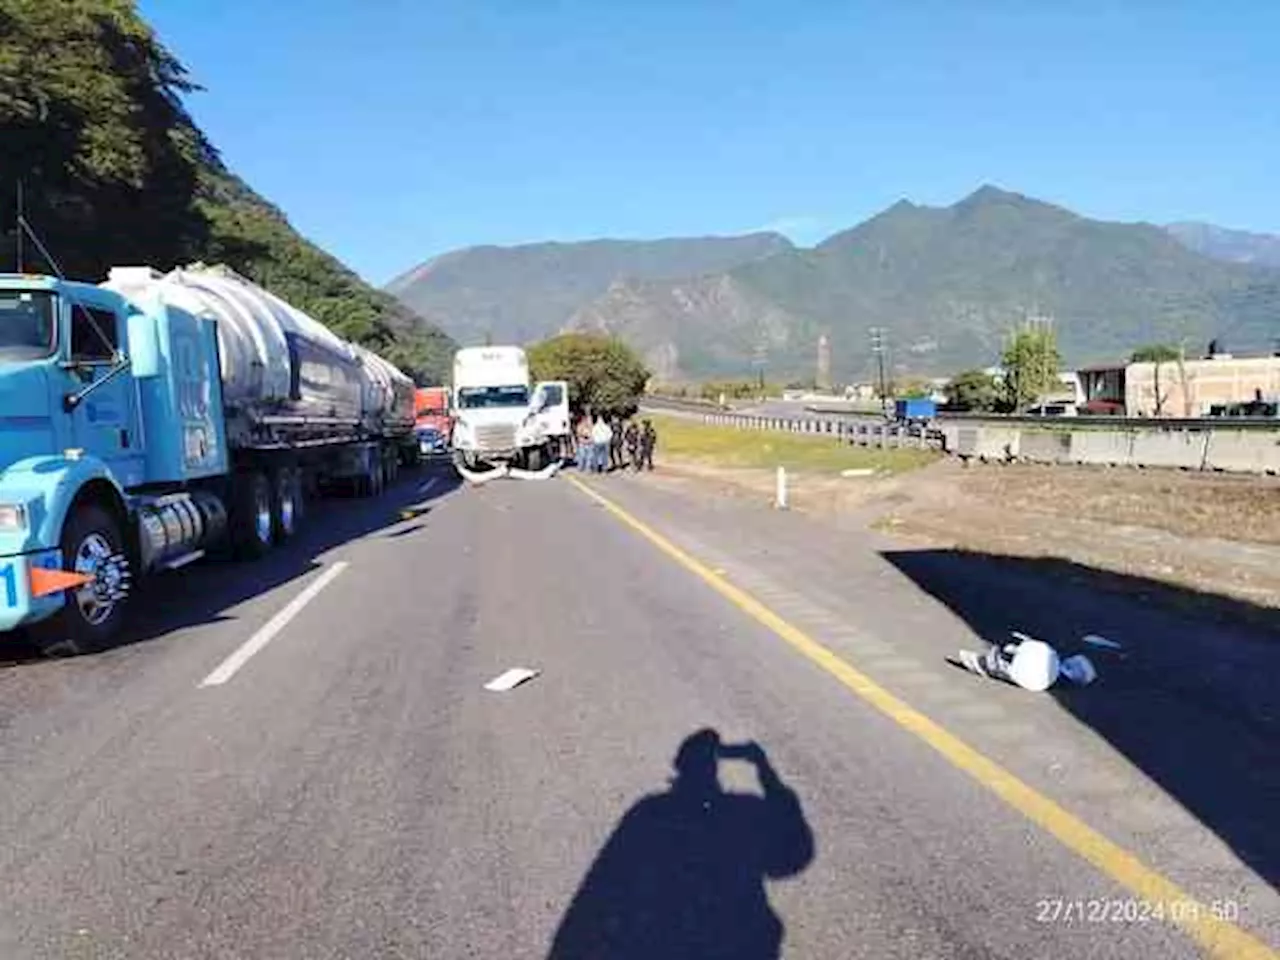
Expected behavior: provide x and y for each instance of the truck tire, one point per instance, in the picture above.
(92, 616)
(286, 506)
(252, 517)
(534, 458)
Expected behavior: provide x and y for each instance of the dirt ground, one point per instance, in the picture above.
(1218, 535)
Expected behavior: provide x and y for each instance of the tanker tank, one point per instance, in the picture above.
(283, 373)
(388, 396)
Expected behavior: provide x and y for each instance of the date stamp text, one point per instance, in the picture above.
(1132, 910)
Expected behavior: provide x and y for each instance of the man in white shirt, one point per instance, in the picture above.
(601, 437)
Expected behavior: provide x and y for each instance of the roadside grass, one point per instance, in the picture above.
(686, 439)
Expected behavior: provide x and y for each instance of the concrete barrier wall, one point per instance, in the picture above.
(1234, 451)
(1227, 449)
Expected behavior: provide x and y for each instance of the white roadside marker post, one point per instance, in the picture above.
(780, 494)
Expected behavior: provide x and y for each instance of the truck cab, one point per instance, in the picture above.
(494, 422)
(64, 375)
(71, 441)
(432, 424)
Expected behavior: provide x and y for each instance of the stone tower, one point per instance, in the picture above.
(823, 380)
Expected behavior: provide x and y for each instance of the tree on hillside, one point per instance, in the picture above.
(604, 375)
(973, 390)
(1031, 362)
(114, 171)
(1158, 354)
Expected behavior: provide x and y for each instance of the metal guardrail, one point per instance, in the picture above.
(679, 403)
(1230, 444)
(1007, 419)
(882, 434)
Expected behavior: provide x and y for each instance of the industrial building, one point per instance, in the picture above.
(1218, 385)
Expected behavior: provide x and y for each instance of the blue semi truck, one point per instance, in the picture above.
(152, 419)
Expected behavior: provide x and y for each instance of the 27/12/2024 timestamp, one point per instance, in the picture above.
(1128, 910)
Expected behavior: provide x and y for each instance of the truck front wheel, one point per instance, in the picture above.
(93, 614)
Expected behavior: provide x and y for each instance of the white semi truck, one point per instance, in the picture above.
(500, 427)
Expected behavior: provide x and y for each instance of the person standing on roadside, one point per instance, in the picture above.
(632, 440)
(601, 437)
(583, 437)
(615, 444)
(648, 440)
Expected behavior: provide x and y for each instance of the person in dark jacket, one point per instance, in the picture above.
(632, 437)
(648, 440)
(615, 444)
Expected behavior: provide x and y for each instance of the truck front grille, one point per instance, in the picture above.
(496, 436)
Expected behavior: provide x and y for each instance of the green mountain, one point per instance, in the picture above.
(947, 285)
(114, 171)
(525, 293)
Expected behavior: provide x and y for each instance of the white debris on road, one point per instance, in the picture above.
(546, 472)
(510, 679)
(1029, 663)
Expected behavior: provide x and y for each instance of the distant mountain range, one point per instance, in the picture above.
(1237, 246)
(521, 294)
(945, 284)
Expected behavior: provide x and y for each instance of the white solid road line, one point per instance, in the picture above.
(227, 669)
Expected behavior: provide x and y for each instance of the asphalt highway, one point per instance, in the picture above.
(298, 759)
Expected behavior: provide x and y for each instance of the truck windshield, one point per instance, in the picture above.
(27, 327)
(554, 394)
(471, 398)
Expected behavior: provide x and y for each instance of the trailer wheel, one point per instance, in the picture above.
(286, 508)
(252, 515)
(92, 615)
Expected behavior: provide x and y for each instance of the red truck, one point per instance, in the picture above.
(432, 425)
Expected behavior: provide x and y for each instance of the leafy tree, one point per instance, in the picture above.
(1031, 363)
(115, 171)
(730, 389)
(604, 375)
(1158, 354)
(974, 390)
(913, 389)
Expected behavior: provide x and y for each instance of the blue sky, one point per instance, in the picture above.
(393, 130)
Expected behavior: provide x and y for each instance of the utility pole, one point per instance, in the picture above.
(760, 360)
(18, 232)
(877, 347)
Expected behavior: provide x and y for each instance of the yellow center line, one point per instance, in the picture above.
(1160, 897)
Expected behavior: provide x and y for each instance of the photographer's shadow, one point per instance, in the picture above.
(683, 874)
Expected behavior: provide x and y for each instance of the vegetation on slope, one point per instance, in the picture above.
(115, 171)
